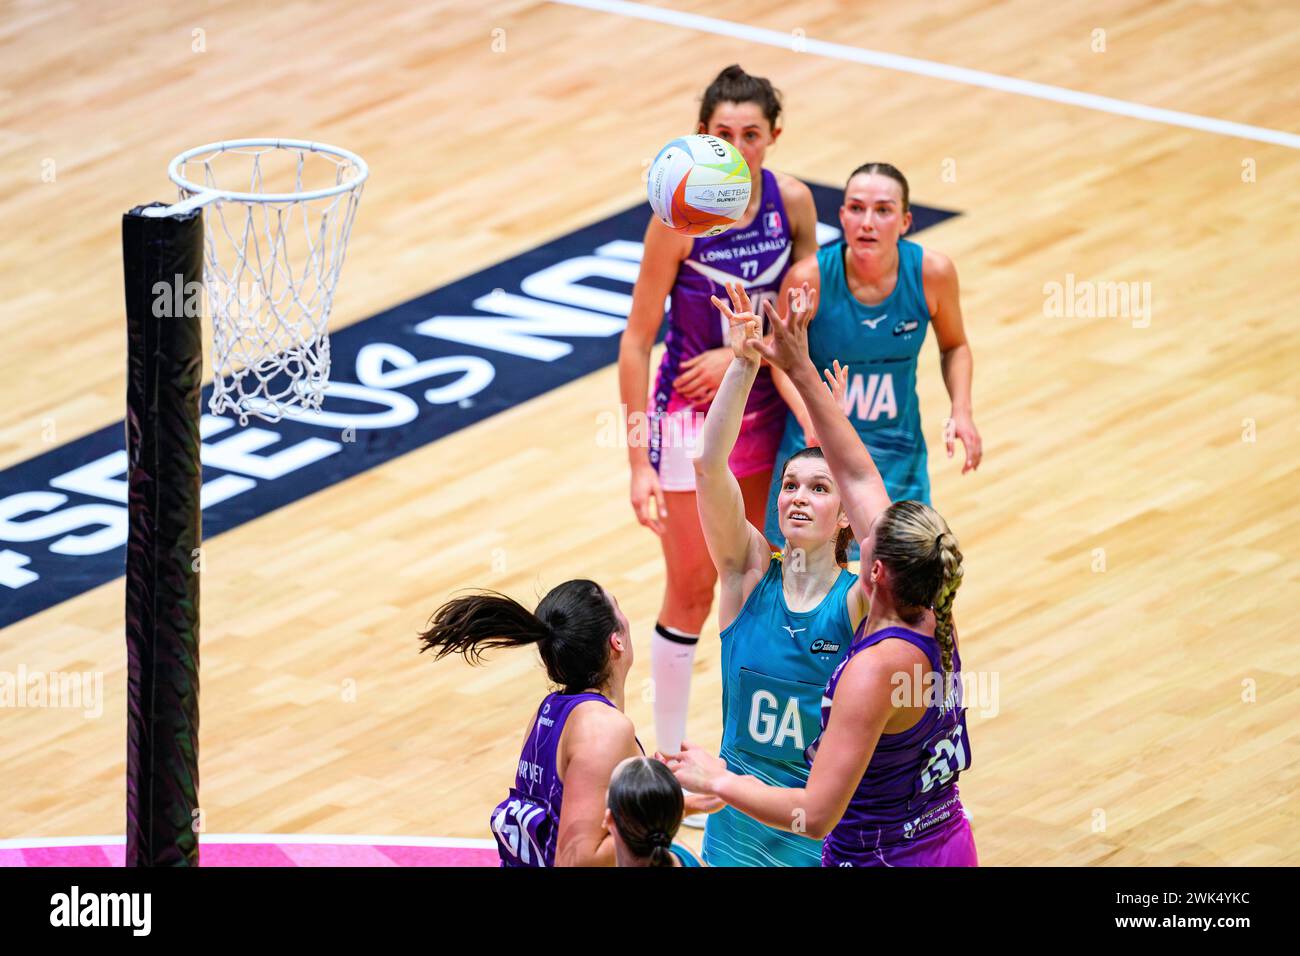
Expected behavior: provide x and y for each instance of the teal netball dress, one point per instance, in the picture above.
(775, 664)
(880, 345)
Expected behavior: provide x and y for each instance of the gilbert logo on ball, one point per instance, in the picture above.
(699, 185)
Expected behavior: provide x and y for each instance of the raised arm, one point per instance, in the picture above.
(803, 271)
(861, 487)
(739, 551)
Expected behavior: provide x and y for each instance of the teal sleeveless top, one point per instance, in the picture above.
(684, 856)
(775, 665)
(880, 345)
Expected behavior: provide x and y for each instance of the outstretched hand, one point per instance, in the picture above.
(838, 383)
(744, 324)
(695, 768)
(788, 349)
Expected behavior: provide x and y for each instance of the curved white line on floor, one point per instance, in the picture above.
(941, 71)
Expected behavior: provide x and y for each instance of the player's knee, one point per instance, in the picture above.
(691, 600)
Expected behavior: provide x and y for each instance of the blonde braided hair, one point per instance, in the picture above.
(925, 565)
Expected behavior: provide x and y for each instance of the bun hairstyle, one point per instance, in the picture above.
(734, 85)
(845, 535)
(646, 804)
(924, 561)
(883, 169)
(570, 627)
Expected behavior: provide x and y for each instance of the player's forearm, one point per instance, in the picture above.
(587, 852)
(722, 424)
(847, 456)
(785, 808)
(958, 366)
(791, 395)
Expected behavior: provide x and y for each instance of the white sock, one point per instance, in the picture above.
(672, 653)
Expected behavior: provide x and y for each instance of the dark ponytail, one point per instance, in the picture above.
(570, 627)
(734, 85)
(646, 804)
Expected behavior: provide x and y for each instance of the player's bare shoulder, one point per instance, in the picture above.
(662, 242)
(794, 192)
(805, 270)
(936, 264)
(938, 275)
(594, 720)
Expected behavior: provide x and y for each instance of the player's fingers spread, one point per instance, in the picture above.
(809, 305)
(735, 293)
(724, 307)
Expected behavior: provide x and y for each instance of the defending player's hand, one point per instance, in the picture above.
(838, 382)
(788, 349)
(744, 324)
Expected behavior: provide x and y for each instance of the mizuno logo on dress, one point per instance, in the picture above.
(793, 630)
(872, 323)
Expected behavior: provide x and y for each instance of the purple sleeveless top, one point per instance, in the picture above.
(526, 824)
(756, 256)
(910, 786)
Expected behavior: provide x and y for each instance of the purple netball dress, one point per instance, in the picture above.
(526, 824)
(757, 257)
(906, 810)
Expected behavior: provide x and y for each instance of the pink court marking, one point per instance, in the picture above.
(285, 852)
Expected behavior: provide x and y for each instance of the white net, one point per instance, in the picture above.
(276, 234)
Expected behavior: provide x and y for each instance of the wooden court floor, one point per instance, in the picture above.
(1132, 539)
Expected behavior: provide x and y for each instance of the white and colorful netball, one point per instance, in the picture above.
(699, 185)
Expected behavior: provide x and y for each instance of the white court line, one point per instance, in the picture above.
(33, 843)
(941, 71)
